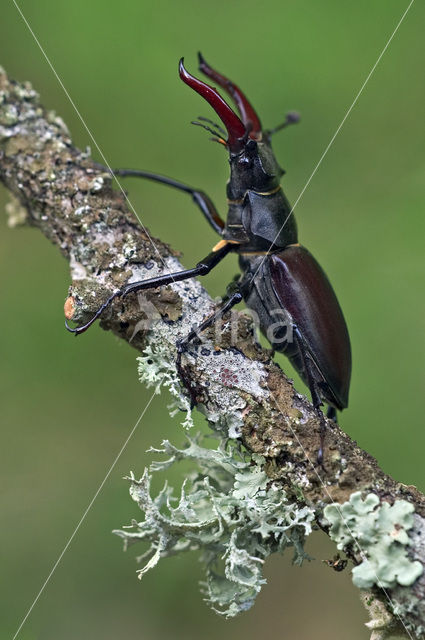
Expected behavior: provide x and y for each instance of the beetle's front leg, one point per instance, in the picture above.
(202, 201)
(202, 268)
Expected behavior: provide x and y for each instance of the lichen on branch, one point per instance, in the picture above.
(229, 510)
(381, 532)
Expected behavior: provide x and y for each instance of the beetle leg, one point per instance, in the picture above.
(230, 302)
(199, 197)
(182, 344)
(202, 268)
(315, 395)
(331, 414)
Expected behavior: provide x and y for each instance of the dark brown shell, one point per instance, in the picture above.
(303, 289)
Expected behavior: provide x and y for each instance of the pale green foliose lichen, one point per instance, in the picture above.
(378, 531)
(229, 510)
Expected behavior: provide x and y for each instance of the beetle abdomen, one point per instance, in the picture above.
(302, 291)
(305, 292)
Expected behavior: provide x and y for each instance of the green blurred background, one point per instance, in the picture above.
(68, 405)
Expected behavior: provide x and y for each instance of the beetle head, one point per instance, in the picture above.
(254, 167)
(252, 162)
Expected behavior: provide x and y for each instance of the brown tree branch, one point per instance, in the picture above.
(71, 200)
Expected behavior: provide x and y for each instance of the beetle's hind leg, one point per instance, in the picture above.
(331, 414)
(314, 391)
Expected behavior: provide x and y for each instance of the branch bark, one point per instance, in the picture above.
(65, 194)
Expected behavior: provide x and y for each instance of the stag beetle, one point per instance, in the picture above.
(277, 272)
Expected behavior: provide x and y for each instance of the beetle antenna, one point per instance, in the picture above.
(292, 117)
(214, 124)
(206, 127)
